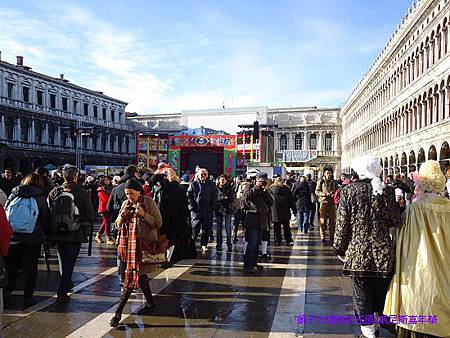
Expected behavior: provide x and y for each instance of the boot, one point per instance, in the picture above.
(126, 293)
(98, 238)
(111, 241)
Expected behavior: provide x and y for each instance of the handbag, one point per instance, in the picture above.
(3, 274)
(155, 252)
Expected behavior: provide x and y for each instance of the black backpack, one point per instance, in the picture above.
(64, 212)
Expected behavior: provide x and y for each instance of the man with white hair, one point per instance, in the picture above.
(367, 210)
(202, 196)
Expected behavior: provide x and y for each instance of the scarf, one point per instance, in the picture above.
(129, 252)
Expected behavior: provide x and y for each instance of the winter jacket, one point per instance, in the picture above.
(103, 197)
(283, 203)
(302, 196)
(323, 187)
(225, 199)
(117, 196)
(86, 214)
(202, 196)
(146, 227)
(5, 233)
(257, 203)
(41, 227)
(8, 185)
(362, 230)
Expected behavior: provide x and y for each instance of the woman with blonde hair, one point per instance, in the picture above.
(421, 283)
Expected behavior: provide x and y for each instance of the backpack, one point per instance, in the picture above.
(64, 213)
(22, 214)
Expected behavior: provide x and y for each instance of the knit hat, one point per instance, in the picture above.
(133, 184)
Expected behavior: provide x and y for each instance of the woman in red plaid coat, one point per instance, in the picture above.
(139, 219)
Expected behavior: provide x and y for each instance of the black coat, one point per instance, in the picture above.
(225, 199)
(8, 185)
(302, 196)
(86, 217)
(117, 196)
(27, 191)
(202, 198)
(283, 204)
(257, 203)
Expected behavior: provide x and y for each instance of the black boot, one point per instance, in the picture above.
(126, 293)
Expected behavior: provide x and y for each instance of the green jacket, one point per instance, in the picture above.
(83, 202)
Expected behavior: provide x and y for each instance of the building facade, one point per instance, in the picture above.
(399, 111)
(307, 138)
(46, 120)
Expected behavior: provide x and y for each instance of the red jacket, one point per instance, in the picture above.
(103, 198)
(5, 233)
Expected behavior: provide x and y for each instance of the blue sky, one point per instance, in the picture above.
(166, 56)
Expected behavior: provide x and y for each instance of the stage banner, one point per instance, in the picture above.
(174, 159)
(229, 161)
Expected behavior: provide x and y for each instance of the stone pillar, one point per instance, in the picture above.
(33, 132)
(45, 138)
(447, 102)
(18, 135)
(3, 126)
(58, 136)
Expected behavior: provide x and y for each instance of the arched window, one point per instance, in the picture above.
(283, 142)
(328, 142)
(313, 142)
(298, 141)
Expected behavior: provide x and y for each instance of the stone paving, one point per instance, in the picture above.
(205, 297)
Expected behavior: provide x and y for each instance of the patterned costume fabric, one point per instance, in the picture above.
(362, 231)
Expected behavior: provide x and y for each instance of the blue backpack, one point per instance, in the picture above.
(22, 214)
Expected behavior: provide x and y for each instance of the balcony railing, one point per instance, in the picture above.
(61, 113)
(302, 155)
(60, 149)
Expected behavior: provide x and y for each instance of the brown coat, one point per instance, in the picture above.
(147, 226)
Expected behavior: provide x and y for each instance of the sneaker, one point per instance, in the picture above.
(290, 243)
(204, 249)
(111, 241)
(98, 238)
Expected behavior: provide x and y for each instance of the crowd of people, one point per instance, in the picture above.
(141, 212)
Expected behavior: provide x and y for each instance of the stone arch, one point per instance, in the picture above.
(432, 153)
(404, 163)
(444, 153)
(412, 161)
(420, 157)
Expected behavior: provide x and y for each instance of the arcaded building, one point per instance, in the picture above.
(399, 111)
(48, 120)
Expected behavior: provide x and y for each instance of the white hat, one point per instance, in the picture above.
(89, 179)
